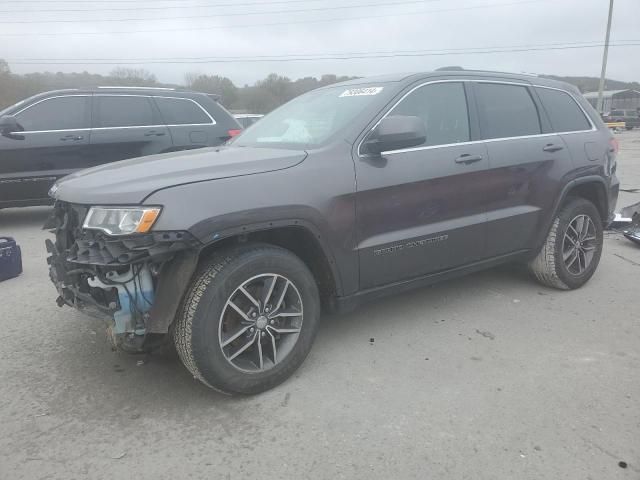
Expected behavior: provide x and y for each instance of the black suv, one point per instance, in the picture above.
(344, 194)
(50, 135)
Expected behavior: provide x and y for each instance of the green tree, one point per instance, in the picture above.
(214, 84)
(137, 77)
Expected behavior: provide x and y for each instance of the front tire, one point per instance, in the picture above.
(248, 320)
(572, 250)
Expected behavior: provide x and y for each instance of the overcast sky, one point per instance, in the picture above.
(316, 27)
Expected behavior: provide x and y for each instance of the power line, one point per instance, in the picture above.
(272, 24)
(285, 55)
(207, 5)
(319, 57)
(132, 2)
(218, 15)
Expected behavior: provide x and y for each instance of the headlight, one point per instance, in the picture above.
(121, 221)
(53, 190)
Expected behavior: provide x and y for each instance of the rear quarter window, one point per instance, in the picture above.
(564, 113)
(182, 111)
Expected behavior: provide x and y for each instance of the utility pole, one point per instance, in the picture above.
(604, 59)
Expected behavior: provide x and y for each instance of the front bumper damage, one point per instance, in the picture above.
(134, 282)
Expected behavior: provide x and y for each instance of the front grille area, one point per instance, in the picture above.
(93, 247)
(77, 255)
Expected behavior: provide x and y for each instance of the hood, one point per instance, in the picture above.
(131, 181)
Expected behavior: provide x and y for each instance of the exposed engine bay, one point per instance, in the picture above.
(118, 278)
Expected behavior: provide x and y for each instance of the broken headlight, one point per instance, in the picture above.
(121, 220)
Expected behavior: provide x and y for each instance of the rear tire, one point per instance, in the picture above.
(273, 326)
(572, 250)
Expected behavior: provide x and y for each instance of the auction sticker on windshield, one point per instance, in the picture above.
(358, 92)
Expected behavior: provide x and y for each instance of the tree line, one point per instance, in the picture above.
(261, 97)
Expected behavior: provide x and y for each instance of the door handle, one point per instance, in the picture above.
(73, 138)
(467, 158)
(550, 147)
(153, 133)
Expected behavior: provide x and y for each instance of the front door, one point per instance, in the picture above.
(52, 145)
(422, 210)
(126, 126)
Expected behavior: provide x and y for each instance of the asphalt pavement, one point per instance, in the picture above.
(486, 377)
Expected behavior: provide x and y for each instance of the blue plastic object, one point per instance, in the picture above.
(10, 258)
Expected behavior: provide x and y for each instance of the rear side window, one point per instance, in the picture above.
(60, 113)
(123, 111)
(564, 112)
(506, 111)
(181, 111)
(443, 109)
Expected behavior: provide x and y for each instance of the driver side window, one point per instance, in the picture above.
(443, 109)
(59, 113)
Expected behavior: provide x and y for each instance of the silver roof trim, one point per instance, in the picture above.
(137, 88)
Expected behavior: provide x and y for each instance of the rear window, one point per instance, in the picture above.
(619, 113)
(564, 112)
(182, 111)
(507, 111)
(123, 111)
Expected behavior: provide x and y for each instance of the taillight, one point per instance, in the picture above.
(613, 144)
(234, 132)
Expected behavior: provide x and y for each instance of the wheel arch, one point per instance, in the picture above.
(300, 237)
(592, 188)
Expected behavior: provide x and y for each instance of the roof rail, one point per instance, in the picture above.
(138, 88)
(456, 68)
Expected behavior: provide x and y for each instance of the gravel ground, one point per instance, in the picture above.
(486, 377)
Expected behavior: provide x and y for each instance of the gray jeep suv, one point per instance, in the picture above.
(344, 194)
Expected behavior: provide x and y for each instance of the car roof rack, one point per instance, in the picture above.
(130, 87)
(457, 68)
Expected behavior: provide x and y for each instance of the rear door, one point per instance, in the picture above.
(126, 126)
(53, 144)
(190, 124)
(421, 210)
(589, 148)
(526, 160)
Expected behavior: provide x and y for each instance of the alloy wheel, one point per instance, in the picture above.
(579, 244)
(260, 323)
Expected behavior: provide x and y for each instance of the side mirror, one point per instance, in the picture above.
(395, 132)
(9, 124)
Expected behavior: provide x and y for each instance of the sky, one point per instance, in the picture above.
(246, 40)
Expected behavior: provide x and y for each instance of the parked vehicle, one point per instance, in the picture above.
(631, 118)
(342, 195)
(56, 133)
(247, 119)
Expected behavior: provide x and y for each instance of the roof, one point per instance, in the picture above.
(458, 72)
(609, 93)
(130, 90)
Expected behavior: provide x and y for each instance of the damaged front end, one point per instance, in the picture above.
(135, 281)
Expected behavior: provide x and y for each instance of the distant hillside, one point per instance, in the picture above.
(590, 84)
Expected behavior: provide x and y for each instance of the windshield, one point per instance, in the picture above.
(309, 120)
(15, 106)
